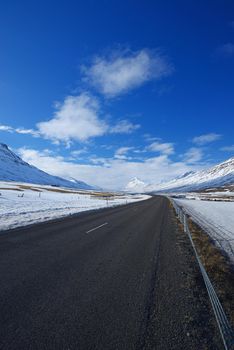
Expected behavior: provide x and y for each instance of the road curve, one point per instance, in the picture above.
(119, 278)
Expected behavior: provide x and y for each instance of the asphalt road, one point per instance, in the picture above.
(120, 278)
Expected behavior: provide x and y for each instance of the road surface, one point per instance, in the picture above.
(119, 278)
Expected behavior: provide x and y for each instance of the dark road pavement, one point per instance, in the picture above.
(119, 278)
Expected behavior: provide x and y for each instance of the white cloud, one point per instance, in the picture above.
(123, 150)
(228, 148)
(23, 131)
(125, 70)
(193, 155)
(121, 153)
(164, 148)
(6, 128)
(75, 119)
(10, 129)
(151, 138)
(107, 172)
(78, 152)
(78, 119)
(206, 138)
(124, 127)
(104, 162)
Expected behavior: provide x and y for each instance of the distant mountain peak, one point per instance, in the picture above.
(136, 179)
(135, 185)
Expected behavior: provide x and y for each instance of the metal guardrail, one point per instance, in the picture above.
(225, 328)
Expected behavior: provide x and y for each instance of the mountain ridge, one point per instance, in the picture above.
(218, 175)
(13, 168)
(215, 176)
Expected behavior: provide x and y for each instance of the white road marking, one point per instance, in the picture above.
(95, 228)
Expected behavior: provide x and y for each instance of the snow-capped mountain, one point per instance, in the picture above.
(13, 168)
(135, 186)
(219, 175)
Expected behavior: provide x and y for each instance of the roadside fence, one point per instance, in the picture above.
(224, 326)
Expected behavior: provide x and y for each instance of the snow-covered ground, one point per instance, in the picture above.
(24, 204)
(225, 196)
(216, 218)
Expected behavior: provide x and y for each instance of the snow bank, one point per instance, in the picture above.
(216, 218)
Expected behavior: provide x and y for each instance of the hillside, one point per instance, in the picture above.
(216, 176)
(13, 168)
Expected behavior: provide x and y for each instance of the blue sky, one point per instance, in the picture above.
(107, 90)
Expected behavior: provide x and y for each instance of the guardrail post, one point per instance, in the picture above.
(185, 222)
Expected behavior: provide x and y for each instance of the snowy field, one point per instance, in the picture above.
(216, 218)
(225, 196)
(24, 204)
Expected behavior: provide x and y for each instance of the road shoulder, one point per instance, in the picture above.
(179, 289)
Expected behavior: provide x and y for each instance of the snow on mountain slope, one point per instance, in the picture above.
(135, 186)
(13, 168)
(219, 175)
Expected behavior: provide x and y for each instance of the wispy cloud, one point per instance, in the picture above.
(193, 155)
(24, 131)
(122, 151)
(124, 127)
(206, 138)
(161, 147)
(150, 138)
(125, 70)
(78, 152)
(228, 148)
(226, 50)
(6, 128)
(231, 24)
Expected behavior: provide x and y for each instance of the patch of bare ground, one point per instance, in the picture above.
(11, 189)
(198, 321)
(26, 187)
(218, 267)
(217, 189)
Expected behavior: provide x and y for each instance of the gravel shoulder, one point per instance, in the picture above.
(180, 310)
